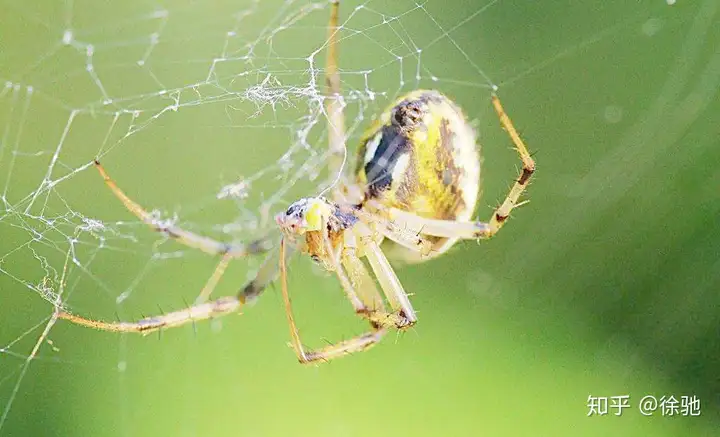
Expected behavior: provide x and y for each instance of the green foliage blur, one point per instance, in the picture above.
(605, 284)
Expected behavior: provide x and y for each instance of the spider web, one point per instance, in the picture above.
(211, 117)
(116, 83)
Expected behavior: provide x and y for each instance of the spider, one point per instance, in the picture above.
(415, 187)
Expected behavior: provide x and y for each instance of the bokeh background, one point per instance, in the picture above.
(605, 284)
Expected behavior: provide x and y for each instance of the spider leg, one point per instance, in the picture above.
(355, 344)
(208, 245)
(387, 278)
(357, 278)
(333, 102)
(214, 279)
(434, 227)
(397, 232)
(267, 273)
(359, 286)
(195, 313)
(511, 200)
(200, 311)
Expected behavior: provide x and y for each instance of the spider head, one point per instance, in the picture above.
(305, 215)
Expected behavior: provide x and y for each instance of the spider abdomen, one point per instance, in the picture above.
(421, 156)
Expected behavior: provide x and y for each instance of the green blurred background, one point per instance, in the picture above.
(605, 284)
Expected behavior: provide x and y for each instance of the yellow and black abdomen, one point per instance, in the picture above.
(421, 156)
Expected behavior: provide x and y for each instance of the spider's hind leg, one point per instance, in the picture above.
(201, 310)
(528, 169)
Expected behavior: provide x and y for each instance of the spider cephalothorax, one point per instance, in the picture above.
(311, 222)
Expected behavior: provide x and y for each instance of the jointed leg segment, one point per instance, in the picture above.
(357, 282)
(333, 102)
(198, 312)
(389, 282)
(503, 212)
(182, 236)
(336, 350)
(208, 310)
(214, 279)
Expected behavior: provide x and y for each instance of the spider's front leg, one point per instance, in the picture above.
(190, 239)
(207, 245)
(528, 169)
